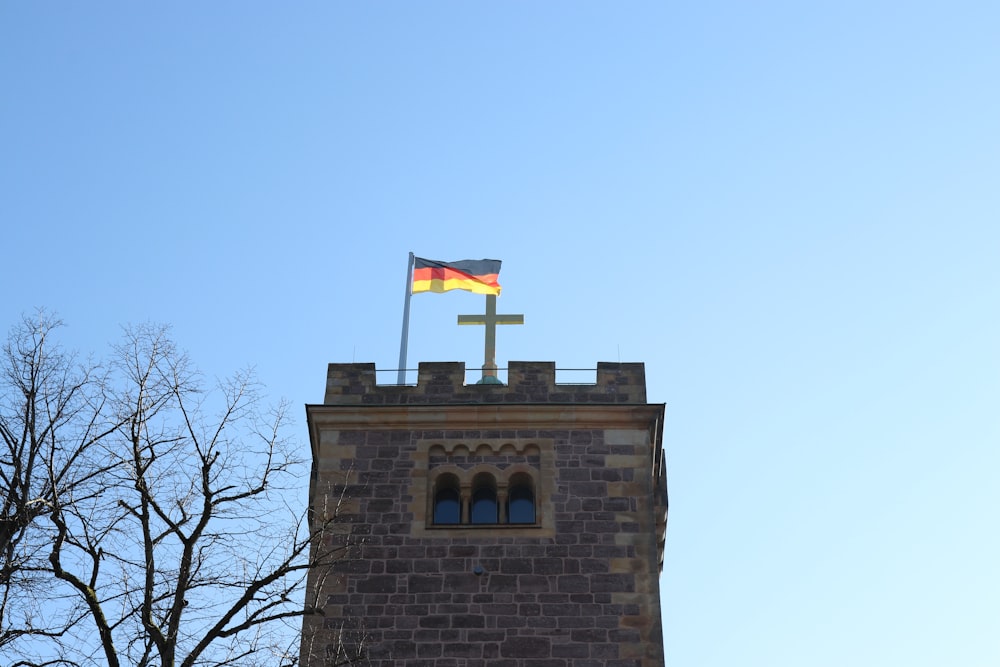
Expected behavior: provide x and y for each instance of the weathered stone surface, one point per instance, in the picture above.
(526, 647)
(578, 588)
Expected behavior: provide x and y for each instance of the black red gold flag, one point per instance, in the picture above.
(473, 275)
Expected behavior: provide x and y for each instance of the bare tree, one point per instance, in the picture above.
(162, 530)
(53, 413)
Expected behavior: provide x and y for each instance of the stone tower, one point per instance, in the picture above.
(486, 525)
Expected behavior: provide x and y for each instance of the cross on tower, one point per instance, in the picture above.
(491, 320)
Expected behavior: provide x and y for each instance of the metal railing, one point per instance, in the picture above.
(389, 376)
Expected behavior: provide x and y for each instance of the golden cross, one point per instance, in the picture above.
(491, 320)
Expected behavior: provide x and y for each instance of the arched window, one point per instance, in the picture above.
(521, 501)
(484, 499)
(447, 501)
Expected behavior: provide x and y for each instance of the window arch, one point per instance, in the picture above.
(447, 501)
(483, 491)
(521, 500)
(484, 499)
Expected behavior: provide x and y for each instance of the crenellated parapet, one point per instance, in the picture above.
(445, 383)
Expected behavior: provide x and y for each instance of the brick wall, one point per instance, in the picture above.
(579, 587)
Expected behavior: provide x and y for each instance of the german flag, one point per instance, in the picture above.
(473, 275)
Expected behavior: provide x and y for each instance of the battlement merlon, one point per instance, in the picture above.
(529, 382)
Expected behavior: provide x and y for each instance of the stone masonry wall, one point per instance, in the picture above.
(578, 589)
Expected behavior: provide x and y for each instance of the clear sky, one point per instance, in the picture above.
(790, 211)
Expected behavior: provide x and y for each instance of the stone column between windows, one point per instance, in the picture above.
(466, 505)
(502, 505)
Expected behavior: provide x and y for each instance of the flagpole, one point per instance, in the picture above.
(401, 377)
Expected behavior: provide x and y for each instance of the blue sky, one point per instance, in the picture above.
(788, 211)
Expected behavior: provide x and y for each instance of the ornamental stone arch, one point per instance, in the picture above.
(465, 463)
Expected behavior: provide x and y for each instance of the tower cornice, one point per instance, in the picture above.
(457, 417)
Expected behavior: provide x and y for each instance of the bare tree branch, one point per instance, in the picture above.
(168, 526)
(53, 414)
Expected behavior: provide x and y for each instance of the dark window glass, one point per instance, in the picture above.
(521, 505)
(447, 507)
(484, 506)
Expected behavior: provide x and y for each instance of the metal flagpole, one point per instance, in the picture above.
(401, 377)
